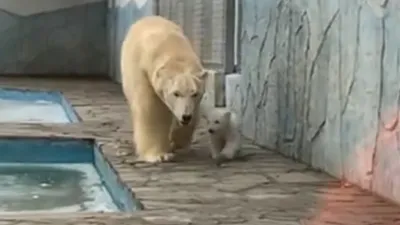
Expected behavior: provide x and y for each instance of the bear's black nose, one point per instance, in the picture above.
(186, 118)
(210, 131)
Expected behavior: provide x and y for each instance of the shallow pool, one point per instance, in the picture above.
(48, 187)
(24, 106)
(32, 112)
(60, 175)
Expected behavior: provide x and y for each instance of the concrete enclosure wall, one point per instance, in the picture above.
(320, 82)
(53, 36)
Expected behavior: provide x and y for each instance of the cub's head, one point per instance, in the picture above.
(218, 120)
(182, 94)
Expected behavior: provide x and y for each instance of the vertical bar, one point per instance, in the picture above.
(197, 26)
(163, 9)
(239, 16)
(229, 36)
(180, 13)
(229, 54)
(206, 43)
(188, 13)
(156, 7)
(111, 29)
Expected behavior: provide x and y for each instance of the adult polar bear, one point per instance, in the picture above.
(163, 81)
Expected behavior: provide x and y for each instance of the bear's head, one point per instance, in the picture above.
(182, 92)
(218, 120)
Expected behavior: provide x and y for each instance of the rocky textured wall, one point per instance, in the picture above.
(122, 14)
(58, 37)
(320, 83)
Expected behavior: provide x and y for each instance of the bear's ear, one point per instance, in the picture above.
(205, 73)
(227, 115)
(160, 72)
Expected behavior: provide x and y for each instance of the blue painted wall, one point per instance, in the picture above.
(122, 13)
(64, 41)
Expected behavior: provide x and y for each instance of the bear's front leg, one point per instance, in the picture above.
(231, 148)
(181, 136)
(151, 133)
(216, 145)
(152, 143)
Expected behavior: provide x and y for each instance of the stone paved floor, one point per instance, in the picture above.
(262, 189)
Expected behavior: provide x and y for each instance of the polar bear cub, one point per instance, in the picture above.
(223, 130)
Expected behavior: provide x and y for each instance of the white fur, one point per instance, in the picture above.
(163, 82)
(225, 139)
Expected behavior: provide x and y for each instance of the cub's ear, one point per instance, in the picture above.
(205, 73)
(227, 115)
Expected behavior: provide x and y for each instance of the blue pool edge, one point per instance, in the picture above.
(122, 195)
(72, 115)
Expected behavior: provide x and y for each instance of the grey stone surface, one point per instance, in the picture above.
(321, 84)
(67, 41)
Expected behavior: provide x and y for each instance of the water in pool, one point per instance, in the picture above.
(32, 111)
(52, 188)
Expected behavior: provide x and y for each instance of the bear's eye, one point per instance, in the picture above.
(216, 122)
(176, 94)
(195, 95)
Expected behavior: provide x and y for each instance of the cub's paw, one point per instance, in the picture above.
(219, 160)
(224, 157)
(229, 154)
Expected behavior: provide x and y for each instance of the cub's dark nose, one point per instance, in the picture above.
(210, 131)
(186, 118)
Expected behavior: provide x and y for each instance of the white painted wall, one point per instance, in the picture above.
(31, 7)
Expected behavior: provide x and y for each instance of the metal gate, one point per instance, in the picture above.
(209, 24)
